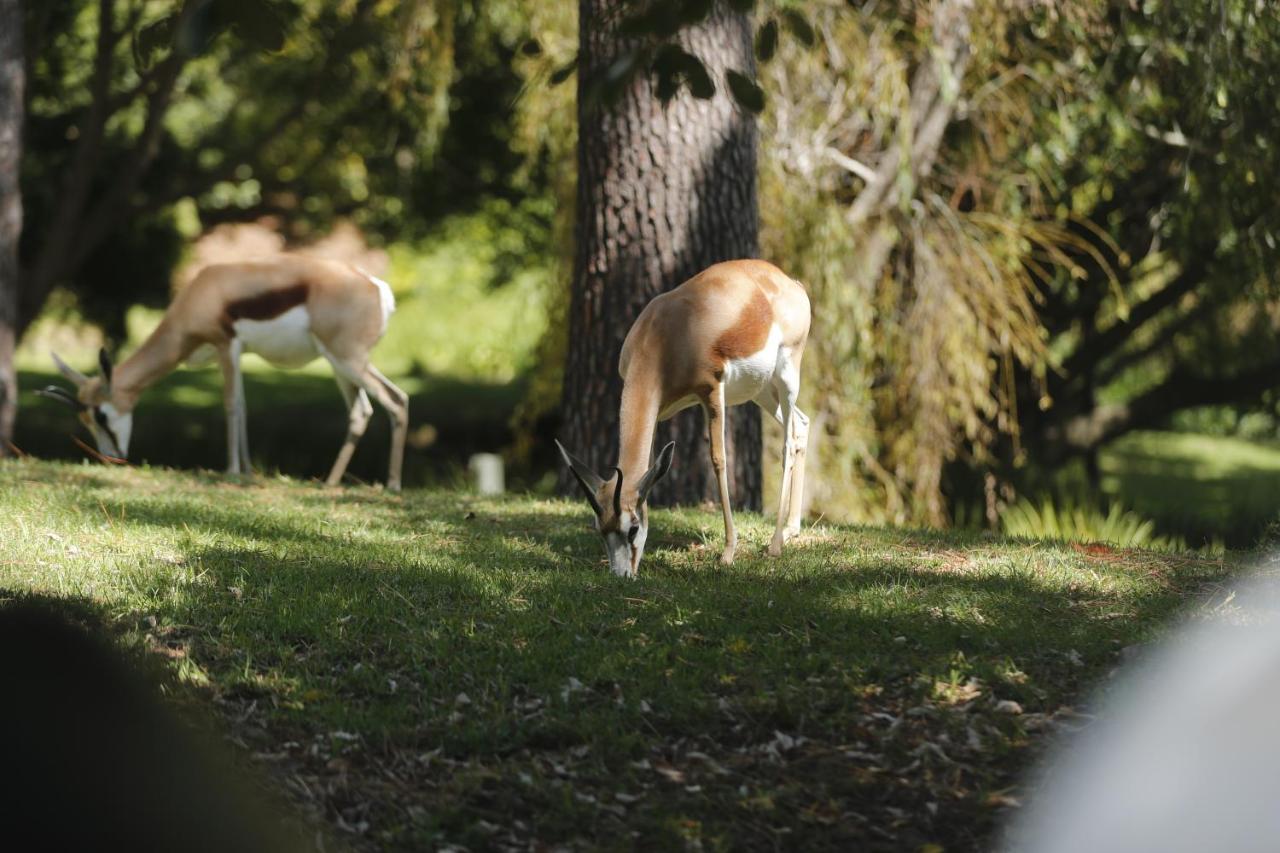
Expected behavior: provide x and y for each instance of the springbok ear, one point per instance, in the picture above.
(62, 395)
(104, 361)
(69, 371)
(589, 480)
(656, 471)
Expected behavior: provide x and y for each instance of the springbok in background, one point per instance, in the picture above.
(288, 310)
(732, 334)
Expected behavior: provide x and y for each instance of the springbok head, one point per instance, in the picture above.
(622, 514)
(93, 404)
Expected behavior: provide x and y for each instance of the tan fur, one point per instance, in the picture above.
(675, 356)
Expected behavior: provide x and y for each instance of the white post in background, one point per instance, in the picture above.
(487, 472)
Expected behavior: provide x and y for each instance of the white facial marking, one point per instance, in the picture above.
(113, 441)
(625, 546)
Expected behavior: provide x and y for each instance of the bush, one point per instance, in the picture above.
(1079, 522)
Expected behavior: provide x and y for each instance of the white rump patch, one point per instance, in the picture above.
(385, 296)
(745, 378)
(285, 341)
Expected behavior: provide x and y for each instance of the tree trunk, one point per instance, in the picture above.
(11, 87)
(663, 193)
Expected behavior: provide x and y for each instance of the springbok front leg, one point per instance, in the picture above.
(716, 418)
(232, 400)
(246, 465)
(359, 410)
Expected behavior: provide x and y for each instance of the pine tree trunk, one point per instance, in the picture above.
(663, 193)
(11, 88)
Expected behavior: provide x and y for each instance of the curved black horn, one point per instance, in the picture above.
(587, 479)
(104, 361)
(617, 495)
(62, 395)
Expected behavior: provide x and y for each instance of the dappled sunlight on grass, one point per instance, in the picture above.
(488, 632)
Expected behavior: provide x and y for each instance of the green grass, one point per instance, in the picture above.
(1199, 487)
(439, 669)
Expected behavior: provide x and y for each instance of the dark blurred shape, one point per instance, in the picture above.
(93, 761)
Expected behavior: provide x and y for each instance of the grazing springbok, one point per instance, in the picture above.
(289, 310)
(732, 334)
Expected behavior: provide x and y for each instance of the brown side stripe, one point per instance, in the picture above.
(264, 306)
(749, 334)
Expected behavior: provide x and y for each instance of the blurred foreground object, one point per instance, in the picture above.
(1185, 755)
(92, 761)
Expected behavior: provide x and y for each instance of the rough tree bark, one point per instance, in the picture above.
(663, 192)
(11, 89)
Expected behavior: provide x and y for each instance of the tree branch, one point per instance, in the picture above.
(1180, 390)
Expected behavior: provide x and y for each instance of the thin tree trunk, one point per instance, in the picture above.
(12, 70)
(663, 192)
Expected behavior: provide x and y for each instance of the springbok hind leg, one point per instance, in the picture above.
(359, 410)
(800, 449)
(715, 412)
(396, 402)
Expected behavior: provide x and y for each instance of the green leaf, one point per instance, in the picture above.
(701, 86)
(564, 72)
(673, 65)
(745, 91)
(152, 39)
(695, 11)
(256, 22)
(767, 40)
(799, 26)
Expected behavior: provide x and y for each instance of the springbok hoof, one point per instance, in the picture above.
(775, 546)
(726, 557)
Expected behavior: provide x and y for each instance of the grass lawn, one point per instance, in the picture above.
(1199, 487)
(438, 669)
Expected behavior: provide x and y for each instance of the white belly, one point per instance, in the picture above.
(285, 341)
(746, 378)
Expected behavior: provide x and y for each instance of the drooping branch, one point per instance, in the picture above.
(1110, 340)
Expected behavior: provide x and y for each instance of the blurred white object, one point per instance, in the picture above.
(487, 470)
(1185, 755)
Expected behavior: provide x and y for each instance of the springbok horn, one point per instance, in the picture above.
(104, 361)
(69, 371)
(617, 495)
(62, 395)
(574, 464)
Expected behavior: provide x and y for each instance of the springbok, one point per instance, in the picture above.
(732, 334)
(289, 310)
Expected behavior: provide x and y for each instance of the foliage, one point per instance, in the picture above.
(390, 114)
(472, 296)
(1082, 522)
(895, 188)
(844, 696)
(1166, 143)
